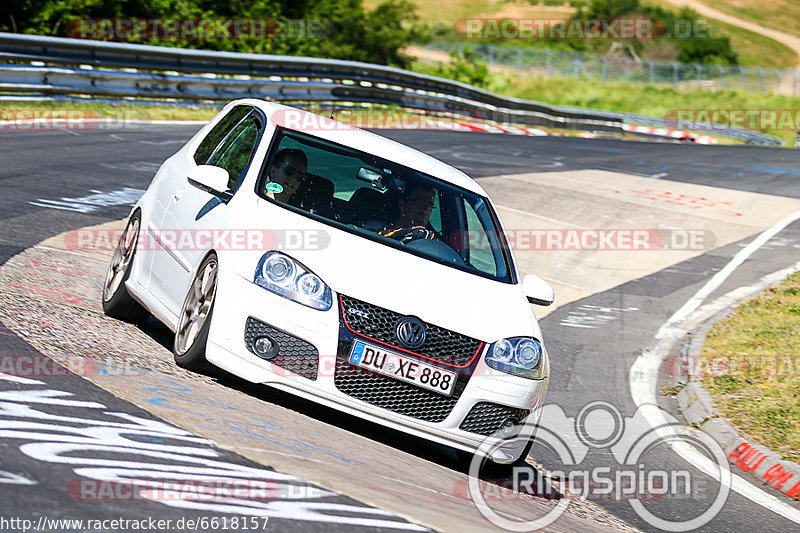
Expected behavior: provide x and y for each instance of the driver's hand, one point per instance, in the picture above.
(406, 235)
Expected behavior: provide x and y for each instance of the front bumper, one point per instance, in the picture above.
(463, 421)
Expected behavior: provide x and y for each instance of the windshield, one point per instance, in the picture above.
(386, 202)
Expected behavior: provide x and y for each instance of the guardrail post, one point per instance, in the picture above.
(652, 72)
(460, 49)
(548, 62)
(519, 60)
(721, 76)
(778, 80)
(699, 69)
(627, 69)
(675, 75)
(575, 62)
(490, 55)
(761, 79)
(741, 74)
(604, 67)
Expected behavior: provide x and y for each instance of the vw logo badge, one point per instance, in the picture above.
(410, 332)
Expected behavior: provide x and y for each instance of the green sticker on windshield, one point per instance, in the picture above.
(276, 188)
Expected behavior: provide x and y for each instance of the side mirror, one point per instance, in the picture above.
(537, 290)
(211, 179)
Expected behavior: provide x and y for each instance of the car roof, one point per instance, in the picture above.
(348, 135)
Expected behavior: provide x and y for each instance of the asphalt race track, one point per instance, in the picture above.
(340, 473)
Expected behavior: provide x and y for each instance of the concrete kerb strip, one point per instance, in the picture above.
(697, 407)
(644, 372)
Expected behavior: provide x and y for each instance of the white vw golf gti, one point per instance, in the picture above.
(332, 263)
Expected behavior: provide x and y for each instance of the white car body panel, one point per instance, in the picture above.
(349, 264)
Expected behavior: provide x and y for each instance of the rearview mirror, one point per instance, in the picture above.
(211, 179)
(537, 290)
(373, 178)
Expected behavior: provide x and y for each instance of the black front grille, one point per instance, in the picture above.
(485, 418)
(441, 344)
(295, 355)
(397, 396)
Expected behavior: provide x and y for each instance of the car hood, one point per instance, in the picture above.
(381, 275)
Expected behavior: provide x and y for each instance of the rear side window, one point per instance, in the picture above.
(234, 140)
(236, 150)
(218, 133)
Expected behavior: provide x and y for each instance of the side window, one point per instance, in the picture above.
(484, 250)
(218, 133)
(236, 150)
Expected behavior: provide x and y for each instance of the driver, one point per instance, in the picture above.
(413, 215)
(286, 173)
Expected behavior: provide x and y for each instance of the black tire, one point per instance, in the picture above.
(117, 301)
(493, 470)
(194, 321)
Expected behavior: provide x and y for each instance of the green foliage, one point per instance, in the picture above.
(466, 68)
(348, 31)
(696, 46)
(709, 51)
(608, 9)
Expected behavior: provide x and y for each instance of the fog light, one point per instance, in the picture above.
(265, 347)
(508, 428)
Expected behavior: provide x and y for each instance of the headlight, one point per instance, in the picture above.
(519, 355)
(283, 275)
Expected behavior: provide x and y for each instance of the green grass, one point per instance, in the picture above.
(91, 109)
(754, 49)
(751, 363)
(641, 99)
(781, 15)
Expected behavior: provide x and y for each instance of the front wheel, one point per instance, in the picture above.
(117, 301)
(194, 321)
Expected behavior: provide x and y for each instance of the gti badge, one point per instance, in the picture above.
(357, 312)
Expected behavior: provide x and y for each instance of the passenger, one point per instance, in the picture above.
(286, 173)
(414, 209)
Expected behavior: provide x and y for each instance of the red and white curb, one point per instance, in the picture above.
(675, 134)
(698, 408)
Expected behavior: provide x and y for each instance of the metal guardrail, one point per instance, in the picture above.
(153, 71)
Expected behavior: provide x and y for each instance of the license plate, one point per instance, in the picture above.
(397, 366)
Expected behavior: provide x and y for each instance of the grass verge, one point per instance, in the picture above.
(751, 367)
(645, 99)
(781, 15)
(91, 109)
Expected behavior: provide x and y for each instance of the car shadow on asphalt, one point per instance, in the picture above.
(541, 485)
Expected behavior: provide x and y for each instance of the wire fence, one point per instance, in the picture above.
(545, 62)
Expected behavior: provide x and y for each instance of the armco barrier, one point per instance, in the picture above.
(54, 65)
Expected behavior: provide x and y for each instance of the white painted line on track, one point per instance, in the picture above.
(719, 278)
(528, 213)
(643, 375)
(523, 272)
